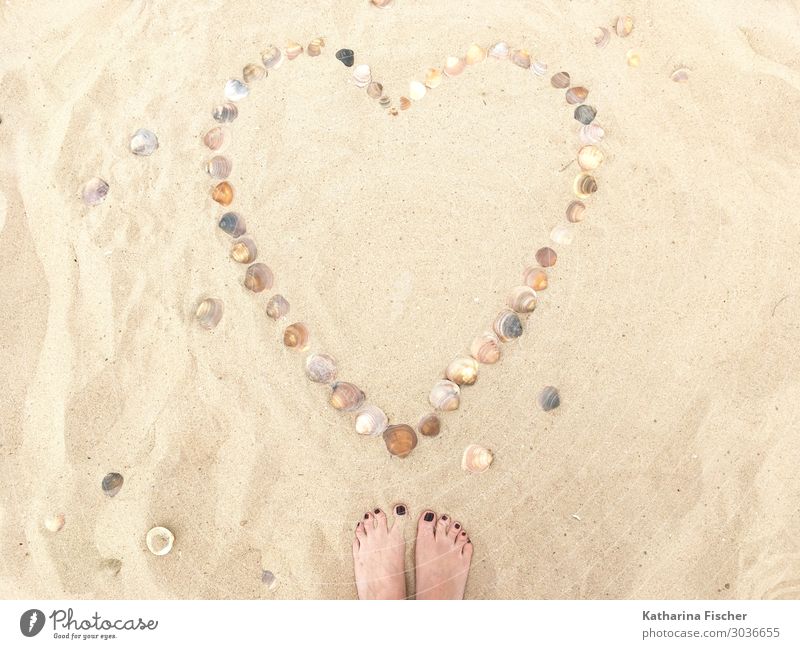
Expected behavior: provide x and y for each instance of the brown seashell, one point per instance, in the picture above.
(590, 157)
(624, 26)
(244, 250)
(159, 541)
(371, 420)
(258, 277)
(433, 78)
(485, 348)
(521, 58)
(223, 193)
(55, 523)
(476, 458)
(601, 37)
(296, 336)
(400, 439)
(680, 75)
(293, 50)
(475, 54)
(577, 95)
(217, 138)
(405, 103)
(462, 371)
(346, 396)
(445, 395)
(507, 326)
(535, 277)
(560, 80)
(546, 257)
(548, 398)
(277, 306)
(522, 299)
(253, 72)
(374, 90)
(576, 211)
(429, 425)
(315, 46)
(454, 65)
(111, 484)
(209, 312)
(584, 185)
(499, 50)
(219, 167)
(321, 368)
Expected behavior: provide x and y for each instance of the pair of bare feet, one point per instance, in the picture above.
(443, 555)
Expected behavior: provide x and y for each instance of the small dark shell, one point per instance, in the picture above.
(346, 56)
(546, 257)
(232, 224)
(548, 398)
(400, 439)
(430, 425)
(585, 114)
(258, 277)
(112, 483)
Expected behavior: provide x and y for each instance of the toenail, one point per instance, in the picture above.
(457, 526)
(463, 533)
(377, 511)
(443, 518)
(400, 510)
(429, 517)
(366, 515)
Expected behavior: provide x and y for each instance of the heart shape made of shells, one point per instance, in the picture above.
(370, 420)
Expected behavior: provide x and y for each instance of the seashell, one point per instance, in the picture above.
(94, 191)
(393, 111)
(590, 157)
(253, 72)
(144, 142)
(633, 58)
(462, 371)
(362, 75)
(55, 523)
(159, 541)
(111, 567)
(535, 277)
(546, 257)
(217, 138)
(577, 95)
(499, 50)
(507, 326)
(209, 312)
(244, 250)
(575, 211)
(453, 66)
(111, 484)
(270, 580)
(522, 58)
(385, 101)
(346, 56)
(680, 75)
(321, 368)
(400, 439)
(236, 90)
(591, 133)
(485, 348)
(601, 37)
(277, 306)
(371, 420)
(562, 234)
(405, 103)
(429, 425)
(232, 224)
(223, 193)
(475, 54)
(225, 113)
(522, 299)
(381, 3)
(258, 277)
(416, 90)
(272, 58)
(476, 459)
(585, 114)
(539, 68)
(374, 90)
(293, 50)
(219, 167)
(346, 396)
(584, 185)
(560, 80)
(296, 336)
(548, 398)
(445, 395)
(433, 78)
(624, 26)
(315, 46)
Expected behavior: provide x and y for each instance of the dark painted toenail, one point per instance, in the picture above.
(463, 533)
(457, 526)
(366, 515)
(429, 517)
(443, 518)
(400, 510)
(377, 511)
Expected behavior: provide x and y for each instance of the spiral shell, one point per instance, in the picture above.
(159, 541)
(253, 72)
(585, 114)
(217, 138)
(476, 459)
(111, 484)
(416, 90)
(296, 336)
(445, 395)
(258, 277)
(55, 523)
(584, 185)
(576, 211)
(601, 37)
(219, 167)
(209, 312)
(546, 257)
(462, 371)
(624, 26)
(371, 420)
(577, 95)
(522, 299)
(362, 75)
(591, 133)
(405, 103)
(454, 65)
(562, 234)
(94, 191)
(315, 46)
(485, 348)
(590, 157)
(293, 50)
(346, 396)
(429, 425)
(499, 50)
(223, 193)
(400, 440)
(374, 90)
(225, 113)
(680, 75)
(272, 58)
(143, 142)
(548, 398)
(507, 326)
(244, 250)
(539, 68)
(475, 54)
(433, 78)
(321, 368)
(522, 58)
(560, 80)
(236, 90)
(277, 306)
(232, 224)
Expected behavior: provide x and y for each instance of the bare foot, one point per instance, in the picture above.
(443, 557)
(379, 556)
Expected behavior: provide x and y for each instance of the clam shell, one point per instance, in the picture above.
(217, 138)
(485, 348)
(499, 50)
(374, 90)
(55, 523)
(111, 484)
(576, 211)
(244, 250)
(507, 326)
(577, 95)
(371, 420)
(562, 234)
(346, 396)
(548, 398)
(293, 50)
(296, 336)
(601, 37)
(405, 103)
(445, 395)
(272, 58)
(680, 75)
(624, 26)
(209, 312)
(277, 306)
(225, 113)
(346, 56)
(433, 78)
(253, 72)
(546, 257)
(94, 191)
(270, 580)
(462, 371)
(633, 59)
(223, 193)
(475, 54)
(585, 114)
(385, 101)
(560, 80)
(381, 3)
(233, 224)
(535, 277)
(321, 368)
(522, 58)
(362, 75)
(590, 157)
(219, 167)
(476, 458)
(522, 299)
(429, 425)
(400, 439)
(416, 90)
(591, 133)
(454, 65)
(159, 541)
(393, 111)
(258, 277)
(315, 46)
(539, 68)
(143, 142)
(236, 90)
(584, 185)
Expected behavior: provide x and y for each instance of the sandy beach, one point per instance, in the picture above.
(670, 325)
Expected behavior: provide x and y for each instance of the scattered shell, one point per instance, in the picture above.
(272, 58)
(321, 368)
(590, 157)
(224, 113)
(209, 312)
(601, 37)
(507, 326)
(485, 348)
(454, 65)
(223, 193)
(111, 484)
(522, 299)
(535, 277)
(584, 185)
(236, 90)
(315, 46)
(375, 90)
(476, 459)
(624, 26)
(293, 50)
(445, 395)
(577, 95)
(585, 114)
(393, 111)
(499, 50)
(416, 90)
(217, 138)
(560, 80)
(55, 523)
(270, 580)
(381, 3)
(94, 191)
(258, 277)
(429, 425)
(433, 78)
(680, 75)
(244, 250)
(253, 72)
(462, 371)
(548, 398)
(144, 142)
(346, 396)
(111, 567)
(575, 211)
(475, 54)
(562, 234)
(362, 75)
(277, 306)
(591, 133)
(546, 257)
(521, 58)
(296, 336)
(346, 56)
(633, 58)
(405, 103)
(400, 439)
(371, 420)
(233, 224)
(219, 167)
(539, 68)
(384, 102)
(159, 541)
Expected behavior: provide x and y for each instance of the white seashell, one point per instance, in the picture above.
(539, 68)
(236, 90)
(601, 37)
(462, 371)
(321, 368)
(562, 234)
(476, 458)
(371, 420)
(590, 157)
(445, 395)
(159, 541)
(500, 50)
(680, 75)
(272, 58)
(144, 142)
(454, 65)
(209, 312)
(362, 75)
(94, 191)
(55, 523)
(591, 133)
(416, 90)
(219, 167)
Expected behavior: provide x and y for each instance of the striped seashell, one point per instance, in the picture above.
(601, 37)
(293, 50)
(219, 167)
(507, 326)
(347, 57)
(591, 134)
(346, 396)
(258, 277)
(499, 50)
(476, 458)
(535, 277)
(296, 336)
(244, 250)
(236, 90)
(225, 113)
(315, 46)
(94, 191)
(400, 440)
(405, 103)
(577, 95)
(233, 224)
(584, 185)
(522, 58)
(217, 138)
(253, 72)
(272, 58)
(445, 395)
(585, 114)
(111, 484)
(362, 75)
(385, 102)
(277, 306)
(209, 312)
(539, 68)
(485, 348)
(560, 80)
(546, 257)
(522, 299)
(575, 211)
(321, 368)
(548, 398)
(371, 421)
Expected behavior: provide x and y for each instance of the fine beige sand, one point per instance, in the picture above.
(670, 326)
